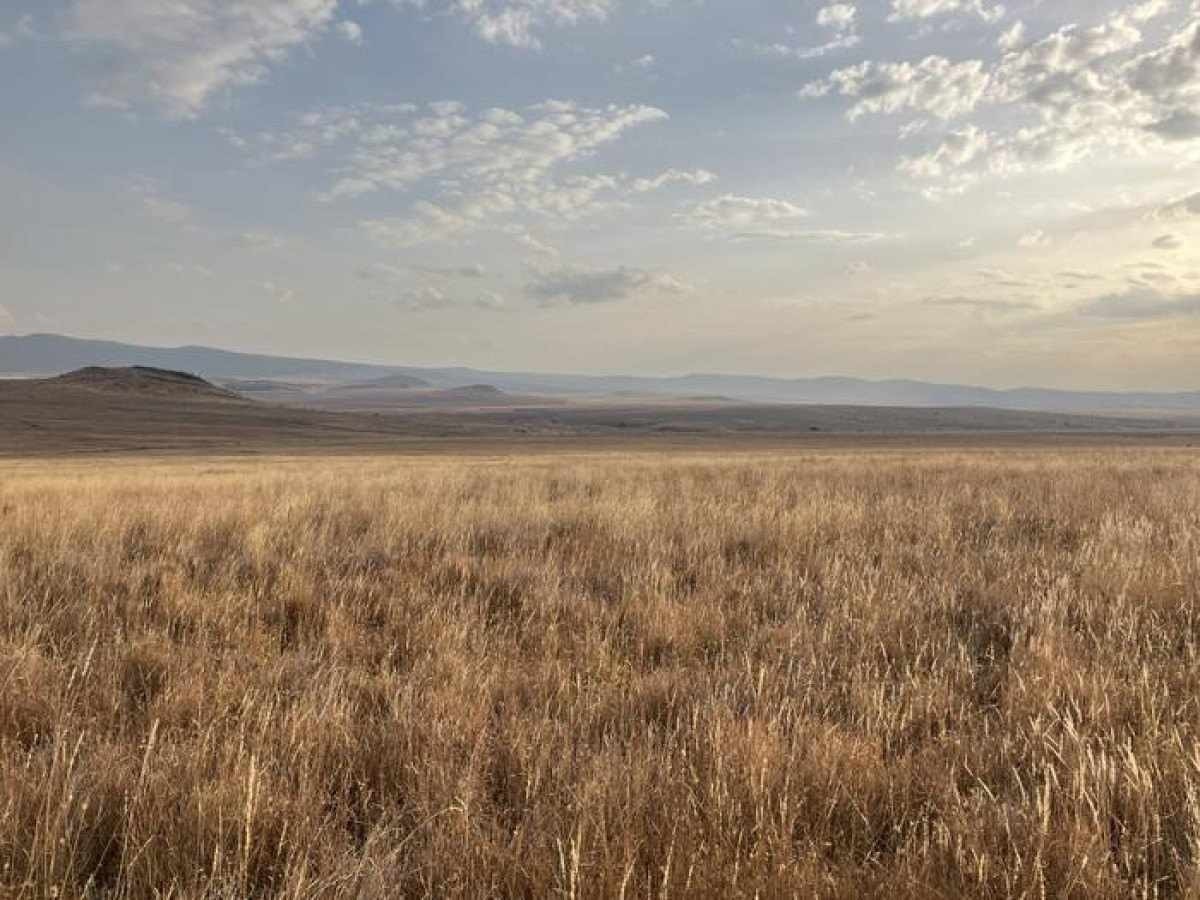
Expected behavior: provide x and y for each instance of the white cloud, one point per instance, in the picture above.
(1012, 38)
(278, 292)
(398, 289)
(178, 55)
(934, 86)
(789, 52)
(1167, 242)
(1034, 239)
(427, 222)
(507, 152)
(8, 322)
(1076, 93)
(839, 16)
(350, 31)
(470, 168)
(751, 218)
(672, 176)
(518, 23)
(534, 244)
(744, 214)
(1149, 9)
(928, 9)
(958, 149)
(423, 297)
(584, 286)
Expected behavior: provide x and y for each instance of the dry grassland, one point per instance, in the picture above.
(845, 676)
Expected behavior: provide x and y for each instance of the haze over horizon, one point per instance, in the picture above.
(958, 191)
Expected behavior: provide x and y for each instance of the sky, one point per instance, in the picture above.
(967, 191)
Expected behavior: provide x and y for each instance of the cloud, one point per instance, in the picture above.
(529, 242)
(350, 31)
(380, 272)
(398, 289)
(470, 168)
(7, 321)
(673, 176)
(468, 271)
(838, 16)
(935, 86)
(928, 9)
(1034, 239)
(1068, 96)
(787, 51)
(749, 218)
(1150, 9)
(1012, 38)
(1179, 125)
(498, 151)
(814, 235)
(733, 213)
(490, 300)
(278, 292)
(1183, 208)
(158, 206)
(178, 55)
(23, 30)
(180, 268)
(1003, 278)
(1167, 242)
(387, 272)
(423, 298)
(518, 23)
(1142, 304)
(428, 222)
(999, 307)
(583, 286)
(958, 149)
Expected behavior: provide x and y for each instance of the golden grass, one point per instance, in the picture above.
(890, 675)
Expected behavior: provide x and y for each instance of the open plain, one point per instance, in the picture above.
(815, 673)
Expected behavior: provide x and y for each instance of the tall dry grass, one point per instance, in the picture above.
(841, 676)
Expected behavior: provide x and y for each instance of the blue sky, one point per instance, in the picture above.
(964, 190)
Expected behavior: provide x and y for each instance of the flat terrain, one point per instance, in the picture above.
(820, 674)
(121, 410)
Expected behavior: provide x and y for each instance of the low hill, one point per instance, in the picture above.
(126, 412)
(48, 354)
(143, 380)
(396, 399)
(475, 392)
(129, 410)
(53, 354)
(397, 381)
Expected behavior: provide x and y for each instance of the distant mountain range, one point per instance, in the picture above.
(49, 354)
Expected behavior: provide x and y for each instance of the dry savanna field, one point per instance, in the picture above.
(820, 674)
